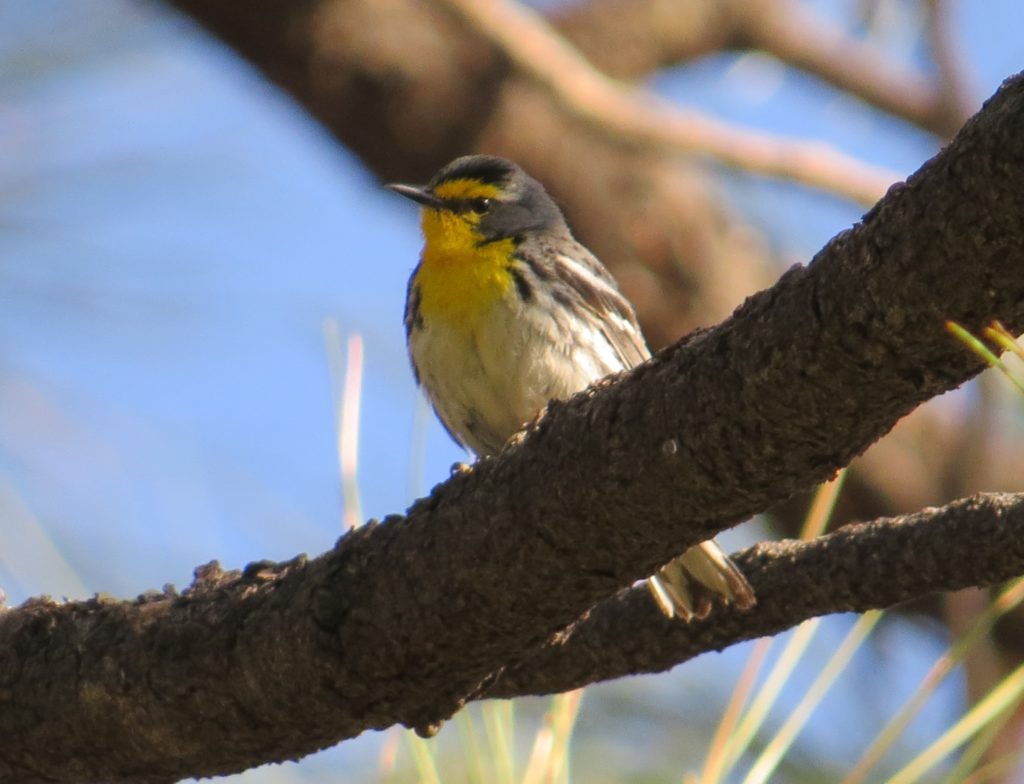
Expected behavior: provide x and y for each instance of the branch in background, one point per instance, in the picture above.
(405, 620)
(952, 104)
(634, 39)
(801, 38)
(636, 117)
(977, 541)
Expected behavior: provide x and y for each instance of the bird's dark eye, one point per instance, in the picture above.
(480, 206)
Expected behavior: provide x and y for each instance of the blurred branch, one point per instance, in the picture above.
(633, 39)
(641, 118)
(801, 38)
(405, 620)
(953, 100)
(869, 566)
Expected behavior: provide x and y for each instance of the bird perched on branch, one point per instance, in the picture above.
(506, 311)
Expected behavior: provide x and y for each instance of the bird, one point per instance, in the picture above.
(506, 311)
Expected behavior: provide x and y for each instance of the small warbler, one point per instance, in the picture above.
(506, 311)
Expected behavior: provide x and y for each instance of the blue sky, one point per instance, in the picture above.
(173, 234)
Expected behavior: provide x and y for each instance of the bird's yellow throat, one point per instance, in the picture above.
(461, 274)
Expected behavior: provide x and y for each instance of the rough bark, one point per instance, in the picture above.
(404, 620)
(977, 541)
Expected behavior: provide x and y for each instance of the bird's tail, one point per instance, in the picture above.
(687, 586)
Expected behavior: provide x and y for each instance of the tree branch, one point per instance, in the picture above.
(402, 621)
(952, 100)
(791, 32)
(977, 541)
(633, 39)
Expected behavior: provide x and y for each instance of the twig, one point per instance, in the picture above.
(799, 37)
(630, 40)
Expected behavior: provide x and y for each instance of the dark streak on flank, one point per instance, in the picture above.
(522, 284)
(413, 317)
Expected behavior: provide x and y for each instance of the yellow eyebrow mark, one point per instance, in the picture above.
(466, 189)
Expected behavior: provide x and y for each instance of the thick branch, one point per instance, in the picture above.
(977, 541)
(404, 620)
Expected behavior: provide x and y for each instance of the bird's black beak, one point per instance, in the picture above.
(418, 194)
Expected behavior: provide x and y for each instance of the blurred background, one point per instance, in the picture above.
(193, 260)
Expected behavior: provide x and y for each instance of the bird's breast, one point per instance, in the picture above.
(459, 281)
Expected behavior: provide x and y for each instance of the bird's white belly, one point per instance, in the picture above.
(487, 383)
